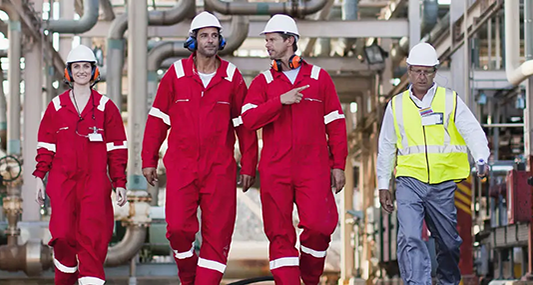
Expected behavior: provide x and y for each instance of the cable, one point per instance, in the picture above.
(253, 280)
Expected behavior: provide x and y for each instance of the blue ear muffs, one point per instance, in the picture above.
(190, 43)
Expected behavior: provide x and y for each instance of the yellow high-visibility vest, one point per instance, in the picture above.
(433, 153)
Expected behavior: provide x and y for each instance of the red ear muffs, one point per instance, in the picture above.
(95, 75)
(294, 62)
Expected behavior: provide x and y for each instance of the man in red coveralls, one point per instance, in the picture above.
(81, 141)
(304, 134)
(199, 99)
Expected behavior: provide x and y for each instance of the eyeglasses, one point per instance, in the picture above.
(418, 72)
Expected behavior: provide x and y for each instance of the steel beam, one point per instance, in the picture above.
(254, 65)
(395, 28)
(478, 13)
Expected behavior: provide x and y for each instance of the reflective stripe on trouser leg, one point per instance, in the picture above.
(441, 220)
(88, 280)
(65, 274)
(413, 255)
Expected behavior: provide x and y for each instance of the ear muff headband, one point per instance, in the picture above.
(191, 43)
(294, 62)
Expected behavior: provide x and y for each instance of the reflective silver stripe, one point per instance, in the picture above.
(315, 72)
(268, 76)
(284, 261)
(314, 253)
(112, 146)
(103, 101)
(184, 255)
(158, 114)
(91, 281)
(432, 149)
(48, 146)
(237, 121)
(398, 113)
(213, 265)
(332, 117)
(63, 268)
(247, 107)
(230, 71)
(448, 112)
(178, 67)
(57, 103)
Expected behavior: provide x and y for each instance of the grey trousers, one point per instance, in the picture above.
(434, 203)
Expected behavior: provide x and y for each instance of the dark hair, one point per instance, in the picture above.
(288, 36)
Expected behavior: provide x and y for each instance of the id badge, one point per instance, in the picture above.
(433, 119)
(95, 137)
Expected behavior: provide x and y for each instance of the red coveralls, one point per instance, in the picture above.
(201, 169)
(302, 142)
(78, 185)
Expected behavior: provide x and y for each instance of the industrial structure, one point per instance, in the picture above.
(486, 52)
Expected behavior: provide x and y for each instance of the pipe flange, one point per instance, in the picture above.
(33, 257)
(12, 204)
(12, 231)
(139, 196)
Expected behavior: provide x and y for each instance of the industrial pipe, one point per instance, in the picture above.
(136, 216)
(85, 23)
(31, 256)
(3, 112)
(293, 8)
(515, 72)
(115, 44)
(126, 249)
(430, 28)
(107, 8)
(349, 12)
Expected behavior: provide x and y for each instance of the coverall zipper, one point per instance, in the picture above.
(426, 147)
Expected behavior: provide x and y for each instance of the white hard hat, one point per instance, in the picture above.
(81, 53)
(423, 54)
(204, 20)
(280, 23)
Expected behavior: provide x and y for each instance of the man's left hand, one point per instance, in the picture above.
(121, 196)
(338, 179)
(246, 181)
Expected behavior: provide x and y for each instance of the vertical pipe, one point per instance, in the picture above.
(528, 117)
(466, 58)
(66, 11)
(33, 95)
(12, 201)
(414, 23)
(347, 252)
(3, 114)
(489, 40)
(498, 43)
(137, 89)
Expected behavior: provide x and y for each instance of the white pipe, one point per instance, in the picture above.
(137, 89)
(516, 72)
(115, 44)
(85, 23)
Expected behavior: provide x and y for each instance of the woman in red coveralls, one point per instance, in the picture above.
(82, 144)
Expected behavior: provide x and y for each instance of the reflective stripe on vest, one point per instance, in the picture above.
(434, 153)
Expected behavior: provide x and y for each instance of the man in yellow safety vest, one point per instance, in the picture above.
(429, 128)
